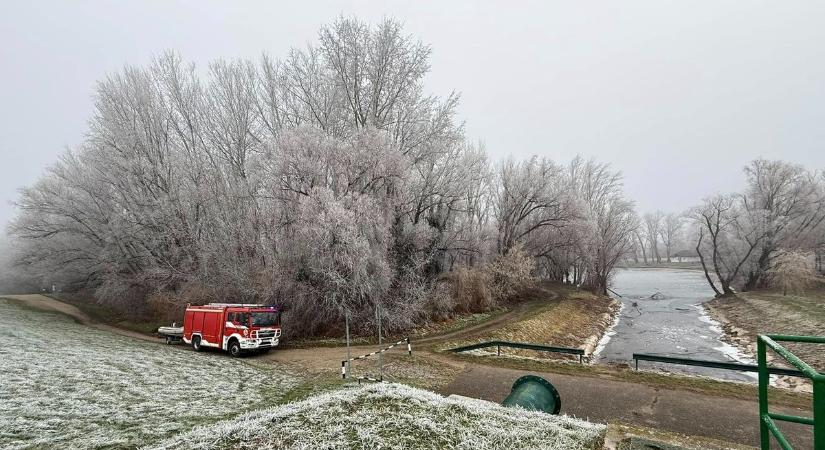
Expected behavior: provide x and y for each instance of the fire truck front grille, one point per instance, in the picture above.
(266, 334)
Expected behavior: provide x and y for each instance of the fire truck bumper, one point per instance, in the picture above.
(251, 344)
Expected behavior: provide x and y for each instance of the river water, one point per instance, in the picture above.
(662, 314)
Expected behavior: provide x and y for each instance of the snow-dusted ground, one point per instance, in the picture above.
(609, 332)
(393, 416)
(65, 385)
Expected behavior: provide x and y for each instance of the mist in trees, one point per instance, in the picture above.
(327, 180)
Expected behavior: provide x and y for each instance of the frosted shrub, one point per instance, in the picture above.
(471, 289)
(510, 273)
(792, 272)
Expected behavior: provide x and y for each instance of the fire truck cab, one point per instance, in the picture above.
(232, 327)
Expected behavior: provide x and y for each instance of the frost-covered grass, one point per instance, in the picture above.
(65, 385)
(392, 416)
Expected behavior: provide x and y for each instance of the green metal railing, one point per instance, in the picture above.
(521, 345)
(767, 419)
(739, 367)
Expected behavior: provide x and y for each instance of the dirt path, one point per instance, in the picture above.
(320, 359)
(515, 314)
(49, 304)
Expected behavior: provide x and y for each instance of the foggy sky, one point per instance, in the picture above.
(677, 95)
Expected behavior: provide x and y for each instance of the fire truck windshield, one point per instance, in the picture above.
(264, 319)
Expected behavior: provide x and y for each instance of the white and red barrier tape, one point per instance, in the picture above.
(344, 362)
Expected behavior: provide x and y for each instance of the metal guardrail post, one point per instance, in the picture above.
(767, 424)
(819, 413)
(764, 379)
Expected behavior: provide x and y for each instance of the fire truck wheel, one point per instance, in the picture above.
(196, 343)
(234, 348)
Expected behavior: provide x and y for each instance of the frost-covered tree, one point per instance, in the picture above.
(740, 236)
(792, 202)
(654, 227)
(327, 179)
(671, 232)
(608, 217)
(727, 236)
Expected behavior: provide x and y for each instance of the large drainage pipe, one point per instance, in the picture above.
(534, 393)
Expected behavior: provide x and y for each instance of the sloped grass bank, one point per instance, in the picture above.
(575, 319)
(392, 416)
(66, 385)
(749, 314)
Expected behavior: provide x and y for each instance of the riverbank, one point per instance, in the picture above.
(749, 314)
(557, 315)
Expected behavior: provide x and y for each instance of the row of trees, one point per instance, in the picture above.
(327, 180)
(658, 237)
(775, 226)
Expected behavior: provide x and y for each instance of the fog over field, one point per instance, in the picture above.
(678, 96)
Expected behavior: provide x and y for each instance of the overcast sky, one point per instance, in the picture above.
(677, 95)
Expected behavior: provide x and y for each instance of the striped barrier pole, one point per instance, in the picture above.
(409, 349)
(345, 361)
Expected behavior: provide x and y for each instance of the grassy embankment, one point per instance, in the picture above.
(107, 315)
(555, 314)
(749, 314)
(67, 385)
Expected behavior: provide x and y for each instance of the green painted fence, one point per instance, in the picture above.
(767, 419)
(520, 345)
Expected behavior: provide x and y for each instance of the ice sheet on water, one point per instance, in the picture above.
(70, 386)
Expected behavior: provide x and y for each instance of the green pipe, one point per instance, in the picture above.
(780, 438)
(764, 379)
(791, 358)
(534, 393)
(819, 414)
(794, 419)
(791, 338)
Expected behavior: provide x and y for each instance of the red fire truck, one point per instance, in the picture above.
(233, 327)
